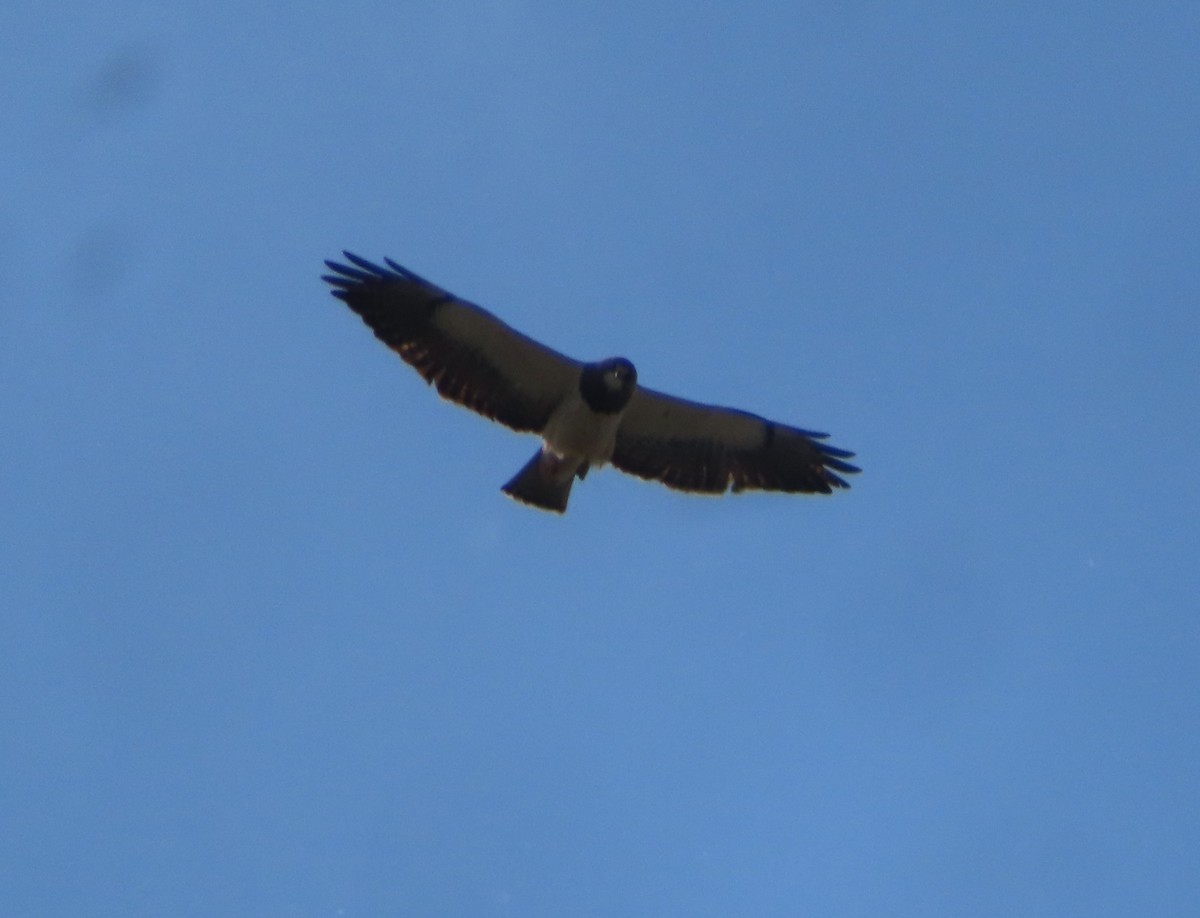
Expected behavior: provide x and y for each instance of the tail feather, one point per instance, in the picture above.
(545, 481)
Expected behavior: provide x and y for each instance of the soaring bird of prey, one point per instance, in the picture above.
(587, 414)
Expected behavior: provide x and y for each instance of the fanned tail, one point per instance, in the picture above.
(545, 482)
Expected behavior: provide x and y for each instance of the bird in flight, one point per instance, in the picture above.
(587, 414)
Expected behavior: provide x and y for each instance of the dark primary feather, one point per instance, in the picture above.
(695, 447)
(470, 355)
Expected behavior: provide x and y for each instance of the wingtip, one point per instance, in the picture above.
(836, 452)
(359, 262)
(362, 269)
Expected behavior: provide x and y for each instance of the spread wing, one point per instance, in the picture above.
(695, 447)
(471, 356)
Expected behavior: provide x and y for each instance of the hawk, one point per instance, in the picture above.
(587, 414)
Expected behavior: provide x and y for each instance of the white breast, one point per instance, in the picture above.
(575, 431)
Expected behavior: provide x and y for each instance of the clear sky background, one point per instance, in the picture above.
(272, 641)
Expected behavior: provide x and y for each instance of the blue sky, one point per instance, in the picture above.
(275, 644)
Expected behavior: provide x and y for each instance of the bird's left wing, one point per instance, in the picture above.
(695, 447)
(470, 355)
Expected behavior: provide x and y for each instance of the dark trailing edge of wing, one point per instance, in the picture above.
(476, 360)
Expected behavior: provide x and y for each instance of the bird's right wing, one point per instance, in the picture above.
(695, 447)
(470, 355)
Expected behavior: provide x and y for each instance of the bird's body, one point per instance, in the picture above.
(588, 414)
(580, 434)
(577, 431)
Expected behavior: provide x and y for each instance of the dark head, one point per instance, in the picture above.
(607, 386)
